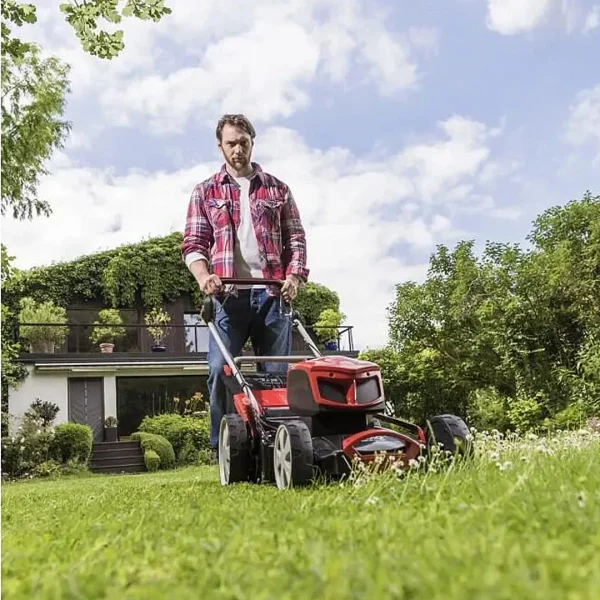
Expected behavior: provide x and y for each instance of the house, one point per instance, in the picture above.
(134, 380)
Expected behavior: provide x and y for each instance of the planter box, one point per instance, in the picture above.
(110, 434)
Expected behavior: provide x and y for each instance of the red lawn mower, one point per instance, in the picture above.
(325, 414)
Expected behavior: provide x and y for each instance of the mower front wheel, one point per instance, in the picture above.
(292, 455)
(234, 450)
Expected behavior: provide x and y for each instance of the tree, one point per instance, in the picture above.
(33, 101)
(514, 329)
(12, 373)
(34, 91)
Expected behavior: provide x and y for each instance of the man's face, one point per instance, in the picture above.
(236, 146)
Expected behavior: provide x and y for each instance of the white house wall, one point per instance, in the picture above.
(52, 387)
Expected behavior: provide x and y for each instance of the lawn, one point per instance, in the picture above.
(521, 521)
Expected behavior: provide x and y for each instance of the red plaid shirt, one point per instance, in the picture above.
(214, 214)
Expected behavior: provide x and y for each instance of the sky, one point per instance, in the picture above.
(398, 126)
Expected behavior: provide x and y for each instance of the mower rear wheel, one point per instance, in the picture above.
(451, 433)
(292, 455)
(234, 454)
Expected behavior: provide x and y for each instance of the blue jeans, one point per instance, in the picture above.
(255, 315)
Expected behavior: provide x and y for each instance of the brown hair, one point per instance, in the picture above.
(239, 121)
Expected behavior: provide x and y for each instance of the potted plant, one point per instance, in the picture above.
(108, 329)
(326, 328)
(157, 322)
(37, 316)
(110, 430)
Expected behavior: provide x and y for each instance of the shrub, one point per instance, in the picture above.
(524, 412)
(44, 411)
(30, 447)
(152, 460)
(572, 417)
(179, 429)
(45, 312)
(488, 410)
(108, 328)
(49, 468)
(189, 453)
(160, 445)
(72, 441)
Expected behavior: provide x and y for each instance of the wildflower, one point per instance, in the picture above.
(372, 500)
(505, 466)
(413, 464)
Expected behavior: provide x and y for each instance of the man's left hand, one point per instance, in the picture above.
(290, 288)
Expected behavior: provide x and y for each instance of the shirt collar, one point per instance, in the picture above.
(224, 177)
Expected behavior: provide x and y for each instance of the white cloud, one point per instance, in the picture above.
(583, 125)
(261, 60)
(357, 211)
(592, 19)
(516, 16)
(512, 17)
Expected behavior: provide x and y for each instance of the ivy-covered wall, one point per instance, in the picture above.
(145, 274)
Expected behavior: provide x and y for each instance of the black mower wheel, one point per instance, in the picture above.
(451, 433)
(292, 455)
(234, 450)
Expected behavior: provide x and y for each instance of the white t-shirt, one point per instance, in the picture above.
(247, 255)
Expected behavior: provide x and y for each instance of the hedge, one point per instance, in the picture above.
(187, 435)
(152, 460)
(72, 442)
(158, 444)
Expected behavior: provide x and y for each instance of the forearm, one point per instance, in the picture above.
(199, 269)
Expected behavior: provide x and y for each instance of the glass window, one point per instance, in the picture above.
(196, 333)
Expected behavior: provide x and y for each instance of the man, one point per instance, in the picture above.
(243, 222)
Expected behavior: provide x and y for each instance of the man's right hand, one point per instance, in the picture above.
(211, 284)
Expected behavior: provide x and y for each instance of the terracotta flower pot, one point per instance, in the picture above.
(106, 348)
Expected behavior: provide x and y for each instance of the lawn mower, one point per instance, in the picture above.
(326, 413)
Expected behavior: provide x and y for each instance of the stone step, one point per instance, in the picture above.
(123, 468)
(137, 459)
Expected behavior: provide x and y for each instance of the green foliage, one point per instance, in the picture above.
(49, 468)
(149, 272)
(84, 16)
(186, 434)
(12, 373)
(157, 321)
(108, 328)
(517, 328)
(488, 409)
(43, 410)
(33, 102)
(326, 327)
(43, 313)
(160, 445)
(29, 447)
(312, 299)
(72, 442)
(152, 460)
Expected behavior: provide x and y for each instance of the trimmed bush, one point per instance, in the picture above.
(187, 435)
(160, 445)
(152, 460)
(72, 442)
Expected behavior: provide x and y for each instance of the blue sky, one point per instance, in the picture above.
(398, 126)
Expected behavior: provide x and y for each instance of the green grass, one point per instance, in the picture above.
(491, 530)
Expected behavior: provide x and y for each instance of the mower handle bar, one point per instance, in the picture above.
(263, 358)
(250, 281)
